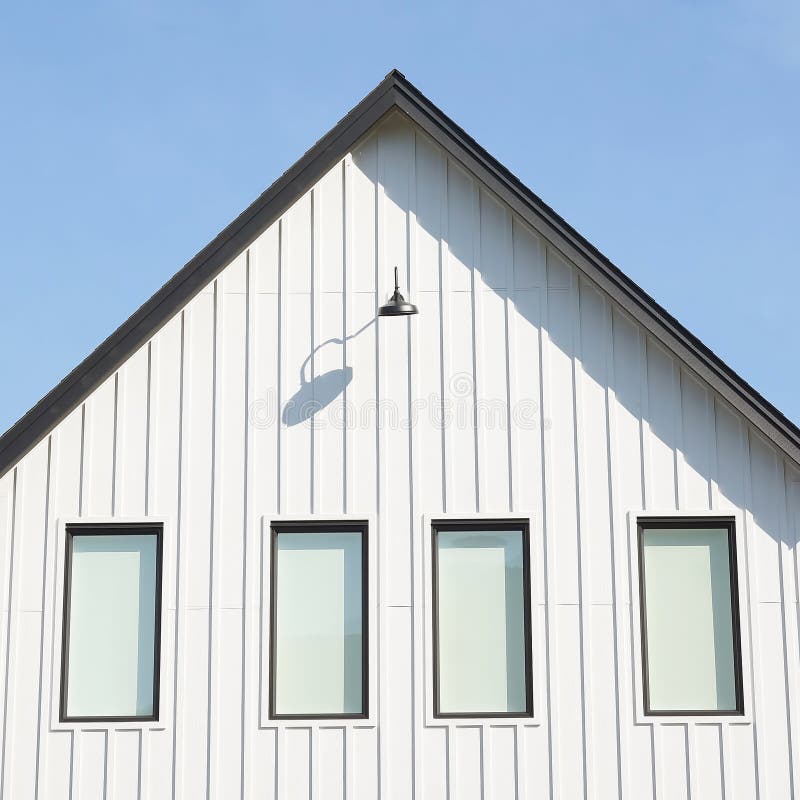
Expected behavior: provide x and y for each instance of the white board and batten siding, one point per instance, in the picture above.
(601, 422)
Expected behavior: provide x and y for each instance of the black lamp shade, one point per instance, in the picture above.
(397, 306)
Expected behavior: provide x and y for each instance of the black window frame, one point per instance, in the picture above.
(111, 529)
(278, 528)
(465, 525)
(687, 523)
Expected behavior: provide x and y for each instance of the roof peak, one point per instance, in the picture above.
(394, 92)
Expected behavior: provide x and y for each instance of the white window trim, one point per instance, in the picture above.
(636, 645)
(424, 621)
(167, 628)
(266, 722)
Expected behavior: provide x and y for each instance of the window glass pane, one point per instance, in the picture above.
(318, 635)
(687, 593)
(481, 622)
(112, 625)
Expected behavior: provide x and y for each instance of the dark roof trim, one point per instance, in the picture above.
(393, 92)
(208, 263)
(599, 269)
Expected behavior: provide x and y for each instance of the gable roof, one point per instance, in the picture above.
(394, 92)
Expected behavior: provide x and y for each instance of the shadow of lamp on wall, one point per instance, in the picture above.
(319, 392)
(315, 394)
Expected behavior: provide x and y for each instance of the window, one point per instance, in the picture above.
(318, 630)
(112, 614)
(481, 619)
(691, 651)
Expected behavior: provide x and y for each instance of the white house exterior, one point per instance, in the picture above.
(537, 389)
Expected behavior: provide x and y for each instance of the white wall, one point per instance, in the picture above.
(603, 421)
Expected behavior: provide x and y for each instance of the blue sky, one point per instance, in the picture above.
(131, 132)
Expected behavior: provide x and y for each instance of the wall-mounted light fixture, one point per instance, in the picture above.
(397, 306)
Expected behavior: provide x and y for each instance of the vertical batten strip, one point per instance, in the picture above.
(452, 764)
(584, 592)
(677, 447)
(347, 288)
(348, 772)
(790, 624)
(562, 521)
(659, 788)
(598, 526)
(548, 544)
(315, 339)
(146, 740)
(493, 284)
(347, 466)
(725, 752)
(148, 431)
(129, 752)
(381, 561)
(513, 360)
(395, 151)
(250, 561)
(660, 762)
(415, 643)
(713, 469)
(9, 545)
(82, 468)
(213, 657)
(681, 489)
(726, 784)
(143, 789)
(180, 613)
(45, 678)
(101, 488)
(618, 531)
(522, 790)
(458, 324)
(620, 586)
(512, 355)
(788, 620)
(681, 502)
(109, 774)
(314, 761)
(793, 479)
(184, 516)
(524, 329)
(249, 526)
(509, 309)
(486, 734)
(711, 447)
(647, 496)
(115, 466)
(647, 456)
(77, 735)
(753, 600)
(476, 296)
(282, 367)
(440, 269)
(281, 783)
(690, 746)
(445, 342)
